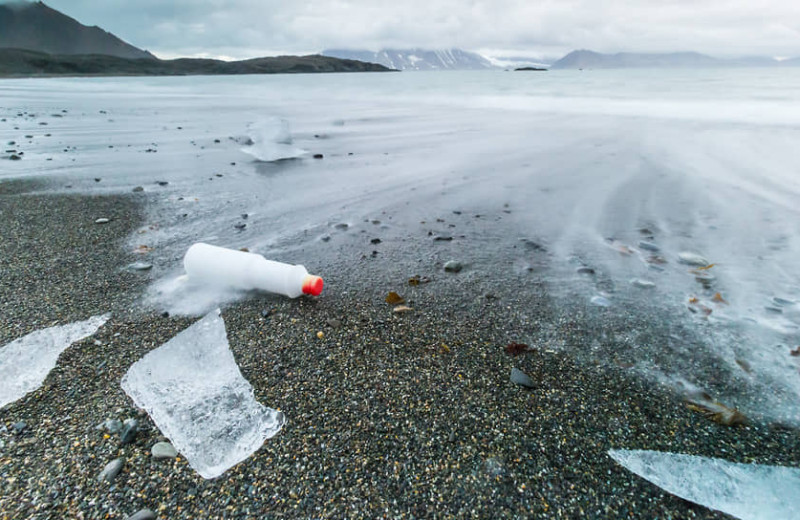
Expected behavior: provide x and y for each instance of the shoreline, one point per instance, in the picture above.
(395, 415)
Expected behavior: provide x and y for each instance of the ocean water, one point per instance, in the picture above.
(611, 174)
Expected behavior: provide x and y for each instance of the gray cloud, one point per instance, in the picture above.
(247, 28)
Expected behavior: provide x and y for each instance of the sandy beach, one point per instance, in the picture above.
(389, 415)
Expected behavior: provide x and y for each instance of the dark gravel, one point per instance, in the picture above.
(389, 415)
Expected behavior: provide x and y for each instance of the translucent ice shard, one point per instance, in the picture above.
(271, 141)
(194, 392)
(25, 362)
(746, 491)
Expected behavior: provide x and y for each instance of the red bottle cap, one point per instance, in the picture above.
(312, 285)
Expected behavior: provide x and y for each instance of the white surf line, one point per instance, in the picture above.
(193, 390)
(746, 491)
(25, 362)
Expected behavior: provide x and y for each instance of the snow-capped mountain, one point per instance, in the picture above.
(416, 59)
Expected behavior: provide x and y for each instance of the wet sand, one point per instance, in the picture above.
(389, 415)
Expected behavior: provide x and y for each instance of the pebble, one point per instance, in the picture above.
(777, 300)
(643, 284)
(585, 270)
(111, 470)
(318, 156)
(129, 430)
(163, 450)
(138, 189)
(521, 378)
(113, 425)
(140, 266)
(240, 225)
(14, 157)
(692, 259)
(648, 246)
(600, 301)
(19, 427)
(453, 267)
(142, 514)
(102, 220)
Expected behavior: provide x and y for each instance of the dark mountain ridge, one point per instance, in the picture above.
(37, 27)
(20, 62)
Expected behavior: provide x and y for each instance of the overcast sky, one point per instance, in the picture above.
(250, 28)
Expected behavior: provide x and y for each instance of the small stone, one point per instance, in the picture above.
(320, 335)
(453, 267)
(400, 309)
(111, 470)
(532, 245)
(643, 284)
(442, 238)
(318, 156)
(520, 378)
(689, 258)
(245, 216)
(375, 241)
(113, 425)
(97, 179)
(162, 183)
(585, 270)
(140, 266)
(102, 220)
(600, 301)
(142, 514)
(341, 226)
(240, 225)
(649, 246)
(138, 189)
(777, 300)
(14, 157)
(334, 323)
(129, 429)
(19, 427)
(163, 450)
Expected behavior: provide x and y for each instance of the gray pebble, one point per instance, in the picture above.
(163, 450)
(138, 189)
(643, 284)
(129, 429)
(648, 246)
(102, 220)
(113, 425)
(519, 377)
(453, 267)
(142, 514)
(585, 270)
(600, 301)
(19, 427)
(692, 259)
(111, 470)
(140, 266)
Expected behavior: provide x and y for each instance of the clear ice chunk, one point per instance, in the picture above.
(746, 491)
(193, 390)
(25, 362)
(271, 141)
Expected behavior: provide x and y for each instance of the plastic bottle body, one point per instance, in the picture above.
(241, 270)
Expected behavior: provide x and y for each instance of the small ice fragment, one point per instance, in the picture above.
(196, 395)
(643, 284)
(25, 362)
(692, 259)
(271, 141)
(746, 491)
(600, 301)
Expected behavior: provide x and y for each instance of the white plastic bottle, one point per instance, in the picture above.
(223, 267)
